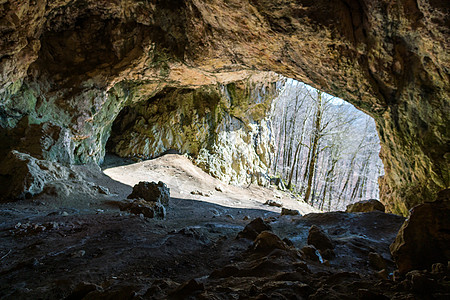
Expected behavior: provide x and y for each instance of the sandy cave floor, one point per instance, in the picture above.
(80, 247)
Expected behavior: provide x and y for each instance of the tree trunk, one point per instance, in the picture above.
(315, 142)
(294, 164)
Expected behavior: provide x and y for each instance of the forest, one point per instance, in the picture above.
(326, 150)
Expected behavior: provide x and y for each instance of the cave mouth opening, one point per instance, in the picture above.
(326, 150)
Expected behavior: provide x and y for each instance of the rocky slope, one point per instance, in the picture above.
(69, 66)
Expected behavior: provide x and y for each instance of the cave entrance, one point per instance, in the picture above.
(326, 149)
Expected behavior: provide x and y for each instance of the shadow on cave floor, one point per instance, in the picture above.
(46, 251)
(52, 253)
(198, 210)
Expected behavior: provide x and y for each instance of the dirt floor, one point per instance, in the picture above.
(69, 246)
(183, 177)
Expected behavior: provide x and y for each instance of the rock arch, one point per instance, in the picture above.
(72, 65)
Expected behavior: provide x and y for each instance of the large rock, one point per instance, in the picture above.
(267, 241)
(319, 239)
(151, 199)
(424, 238)
(78, 65)
(151, 192)
(23, 176)
(365, 206)
(289, 212)
(145, 208)
(254, 228)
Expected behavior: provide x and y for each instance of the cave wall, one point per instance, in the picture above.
(225, 129)
(68, 66)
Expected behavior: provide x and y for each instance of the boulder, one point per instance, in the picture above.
(310, 252)
(365, 206)
(319, 239)
(23, 176)
(424, 238)
(147, 209)
(200, 193)
(267, 241)
(151, 192)
(254, 228)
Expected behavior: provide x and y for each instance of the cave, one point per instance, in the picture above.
(81, 78)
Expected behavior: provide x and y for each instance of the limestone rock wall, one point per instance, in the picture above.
(54, 126)
(224, 128)
(23, 176)
(72, 64)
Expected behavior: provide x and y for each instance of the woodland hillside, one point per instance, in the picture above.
(326, 149)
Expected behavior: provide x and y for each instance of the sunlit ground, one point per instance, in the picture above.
(182, 177)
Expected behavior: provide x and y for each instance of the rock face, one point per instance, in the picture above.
(29, 178)
(23, 176)
(365, 206)
(73, 65)
(424, 238)
(225, 128)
